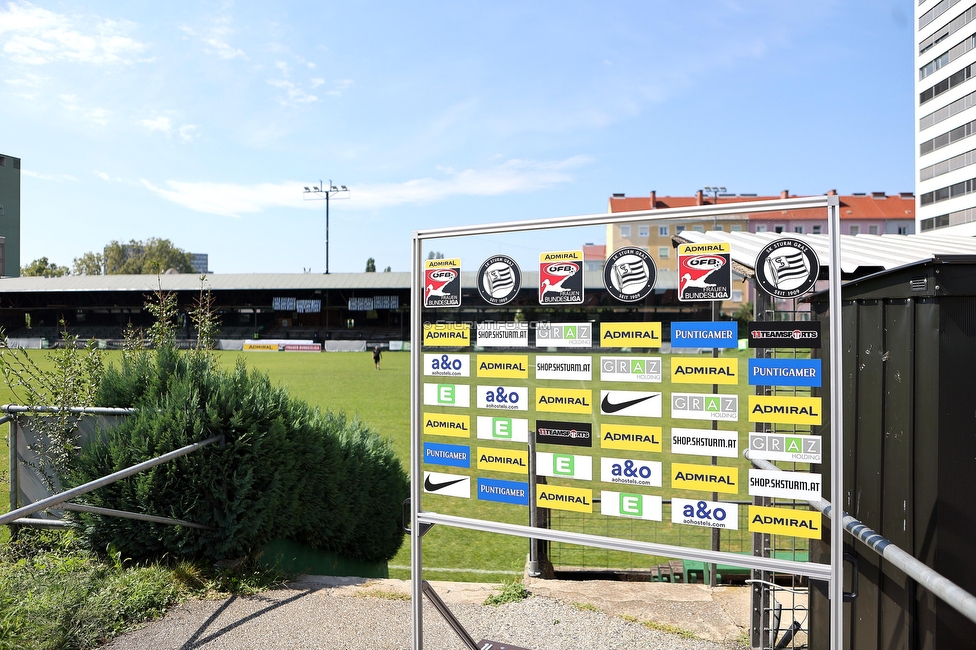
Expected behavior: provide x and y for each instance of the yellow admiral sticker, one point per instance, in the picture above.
(785, 521)
(561, 256)
(784, 410)
(564, 498)
(447, 335)
(709, 478)
(442, 424)
(503, 460)
(699, 249)
(441, 264)
(630, 437)
(630, 335)
(704, 370)
(514, 366)
(564, 400)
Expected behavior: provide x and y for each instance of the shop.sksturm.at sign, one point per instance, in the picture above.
(503, 335)
(568, 368)
(705, 442)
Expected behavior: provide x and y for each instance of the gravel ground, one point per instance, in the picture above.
(309, 616)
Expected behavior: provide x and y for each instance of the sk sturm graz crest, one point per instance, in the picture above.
(787, 268)
(561, 278)
(499, 280)
(704, 272)
(629, 274)
(442, 283)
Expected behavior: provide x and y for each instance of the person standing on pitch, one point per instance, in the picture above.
(376, 356)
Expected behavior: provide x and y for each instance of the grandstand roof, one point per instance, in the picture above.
(215, 282)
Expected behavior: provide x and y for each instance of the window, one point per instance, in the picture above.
(737, 295)
(663, 231)
(855, 230)
(625, 232)
(798, 230)
(761, 228)
(698, 228)
(663, 252)
(643, 231)
(902, 230)
(679, 229)
(736, 228)
(816, 230)
(872, 230)
(778, 229)
(719, 227)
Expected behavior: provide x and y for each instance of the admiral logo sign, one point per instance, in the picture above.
(503, 491)
(447, 484)
(705, 442)
(564, 400)
(784, 410)
(785, 372)
(450, 335)
(564, 498)
(630, 403)
(503, 429)
(561, 278)
(784, 485)
(442, 283)
(784, 521)
(784, 334)
(709, 514)
(503, 335)
(564, 465)
(631, 369)
(709, 478)
(572, 434)
(777, 446)
(697, 406)
(563, 367)
(564, 335)
(704, 272)
(787, 268)
(442, 424)
(451, 455)
(629, 504)
(704, 335)
(629, 274)
(513, 461)
(507, 398)
(503, 365)
(646, 473)
(704, 370)
(630, 335)
(447, 365)
(458, 395)
(499, 280)
(630, 437)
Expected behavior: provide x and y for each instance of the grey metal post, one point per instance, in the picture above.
(13, 478)
(533, 510)
(836, 429)
(716, 533)
(416, 447)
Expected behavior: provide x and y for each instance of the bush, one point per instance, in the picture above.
(286, 470)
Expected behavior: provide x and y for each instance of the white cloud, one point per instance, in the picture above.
(340, 87)
(36, 36)
(161, 123)
(294, 95)
(57, 178)
(513, 176)
(216, 40)
(102, 175)
(95, 115)
(188, 133)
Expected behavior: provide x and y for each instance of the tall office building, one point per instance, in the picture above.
(945, 115)
(10, 214)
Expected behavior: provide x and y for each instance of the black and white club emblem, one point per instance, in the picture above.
(787, 268)
(629, 274)
(499, 280)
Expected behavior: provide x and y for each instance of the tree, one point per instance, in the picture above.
(435, 255)
(88, 264)
(387, 269)
(151, 256)
(42, 268)
(371, 265)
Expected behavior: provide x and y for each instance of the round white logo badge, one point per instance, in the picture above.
(787, 268)
(629, 274)
(499, 280)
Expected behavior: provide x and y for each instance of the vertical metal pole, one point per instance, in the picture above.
(14, 485)
(416, 446)
(716, 533)
(327, 192)
(533, 510)
(836, 432)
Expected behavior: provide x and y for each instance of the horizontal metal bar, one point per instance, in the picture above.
(67, 495)
(603, 218)
(109, 512)
(89, 410)
(6, 418)
(41, 523)
(950, 592)
(809, 569)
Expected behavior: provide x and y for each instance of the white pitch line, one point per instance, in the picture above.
(452, 570)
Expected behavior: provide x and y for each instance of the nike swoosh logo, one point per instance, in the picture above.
(609, 407)
(430, 486)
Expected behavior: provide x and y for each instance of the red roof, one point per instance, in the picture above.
(851, 207)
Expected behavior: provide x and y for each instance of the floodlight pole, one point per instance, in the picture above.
(318, 193)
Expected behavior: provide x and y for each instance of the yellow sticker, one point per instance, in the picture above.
(630, 437)
(441, 424)
(263, 347)
(703, 370)
(784, 410)
(564, 400)
(693, 249)
(785, 521)
(630, 335)
(503, 460)
(710, 478)
(515, 366)
(564, 498)
(440, 264)
(561, 256)
(447, 335)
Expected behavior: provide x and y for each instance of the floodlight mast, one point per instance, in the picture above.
(325, 192)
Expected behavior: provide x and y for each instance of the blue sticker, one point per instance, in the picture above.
(785, 372)
(450, 455)
(704, 335)
(490, 489)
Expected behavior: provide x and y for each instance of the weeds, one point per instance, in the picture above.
(660, 627)
(512, 592)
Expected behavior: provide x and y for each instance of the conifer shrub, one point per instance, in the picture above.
(285, 471)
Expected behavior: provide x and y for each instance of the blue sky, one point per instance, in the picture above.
(201, 122)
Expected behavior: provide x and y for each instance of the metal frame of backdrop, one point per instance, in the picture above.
(421, 520)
